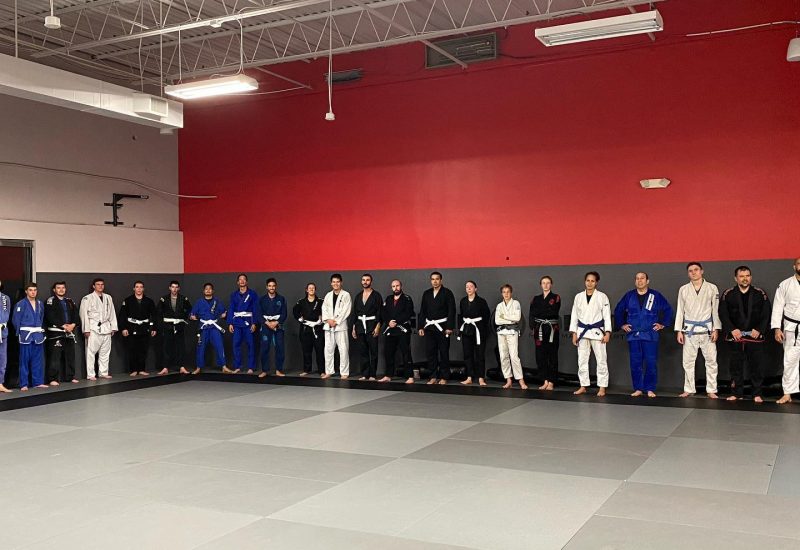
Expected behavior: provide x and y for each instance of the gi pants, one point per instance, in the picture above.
(474, 355)
(368, 352)
(754, 354)
(60, 359)
(98, 345)
(391, 345)
(693, 344)
(547, 358)
(31, 365)
(312, 346)
(334, 340)
(210, 336)
(269, 339)
(242, 335)
(644, 372)
(137, 346)
(791, 359)
(508, 347)
(585, 348)
(437, 351)
(3, 360)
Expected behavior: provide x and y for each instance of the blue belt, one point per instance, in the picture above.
(691, 324)
(586, 328)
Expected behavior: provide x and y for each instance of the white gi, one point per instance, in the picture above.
(99, 319)
(337, 337)
(590, 321)
(785, 316)
(507, 318)
(697, 316)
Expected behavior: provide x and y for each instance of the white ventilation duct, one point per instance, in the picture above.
(28, 80)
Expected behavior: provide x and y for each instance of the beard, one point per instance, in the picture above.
(397, 292)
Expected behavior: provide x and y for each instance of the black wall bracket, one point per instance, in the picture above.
(116, 204)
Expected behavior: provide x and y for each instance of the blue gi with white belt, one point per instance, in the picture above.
(643, 338)
(30, 331)
(210, 330)
(242, 314)
(272, 309)
(5, 315)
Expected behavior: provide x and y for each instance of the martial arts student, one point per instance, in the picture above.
(308, 312)
(365, 319)
(28, 318)
(243, 321)
(62, 319)
(744, 311)
(642, 313)
(697, 324)
(436, 322)
(99, 324)
(173, 312)
(786, 323)
(273, 315)
(508, 319)
(5, 314)
(137, 319)
(335, 311)
(474, 320)
(398, 317)
(590, 325)
(543, 321)
(209, 313)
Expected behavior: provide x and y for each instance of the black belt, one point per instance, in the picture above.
(796, 327)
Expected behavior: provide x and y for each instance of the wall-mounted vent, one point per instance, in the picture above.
(340, 77)
(150, 106)
(469, 49)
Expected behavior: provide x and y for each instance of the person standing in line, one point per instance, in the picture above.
(308, 312)
(5, 316)
(99, 323)
(590, 325)
(785, 322)
(28, 318)
(336, 309)
(436, 322)
(209, 313)
(398, 315)
(272, 307)
(243, 316)
(543, 319)
(137, 319)
(62, 319)
(508, 319)
(474, 333)
(366, 322)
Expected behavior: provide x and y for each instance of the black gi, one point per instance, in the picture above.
(312, 340)
(545, 335)
(474, 353)
(60, 346)
(399, 309)
(745, 311)
(437, 345)
(174, 342)
(366, 343)
(138, 317)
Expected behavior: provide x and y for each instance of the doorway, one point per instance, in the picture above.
(16, 268)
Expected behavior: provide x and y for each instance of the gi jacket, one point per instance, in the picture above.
(5, 315)
(733, 314)
(698, 310)
(143, 311)
(477, 308)
(183, 308)
(311, 311)
(98, 314)
(54, 317)
(244, 304)
(442, 306)
(25, 318)
(656, 309)
(372, 308)
(340, 313)
(544, 309)
(401, 311)
(596, 312)
(271, 307)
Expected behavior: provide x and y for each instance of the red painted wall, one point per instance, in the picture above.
(518, 162)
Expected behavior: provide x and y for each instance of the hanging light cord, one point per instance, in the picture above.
(330, 57)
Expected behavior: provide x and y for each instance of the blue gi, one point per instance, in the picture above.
(643, 338)
(210, 330)
(5, 314)
(272, 309)
(30, 331)
(242, 314)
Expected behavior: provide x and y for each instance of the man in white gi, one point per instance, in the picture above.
(697, 324)
(508, 319)
(99, 322)
(335, 310)
(590, 325)
(786, 322)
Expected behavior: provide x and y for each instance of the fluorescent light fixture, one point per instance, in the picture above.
(599, 29)
(793, 53)
(655, 183)
(211, 87)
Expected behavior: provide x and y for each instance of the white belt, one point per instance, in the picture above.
(133, 321)
(542, 323)
(437, 323)
(210, 323)
(397, 325)
(56, 329)
(472, 321)
(364, 319)
(312, 324)
(174, 321)
(242, 314)
(31, 330)
(271, 317)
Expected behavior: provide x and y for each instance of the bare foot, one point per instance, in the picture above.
(226, 370)
(363, 378)
(144, 373)
(432, 381)
(712, 395)
(24, 388)
(468, 381)
(91, 378)
(106, 376)
(686, 394)
(385, 379)
(44, 386)
(263, 374)
(236, 371)
(481, 381)
(579, 391)
(303, 373)
(345, 377)
(133, 374)
(249, 371)
(601, 392)
(54, 383)
(442, 382)
(324, 375)
(523, 385)
(544, 385)
(507, 384)
(550, 387)
(371, 378)
(758, 399)
(183, 370)
(785, 399)
(279, 373)
(74, 381)
(637, 393)
(651, 394)
(196, 371)
(732, 398)
(409, 380)
(163, 371)
(4, 389)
